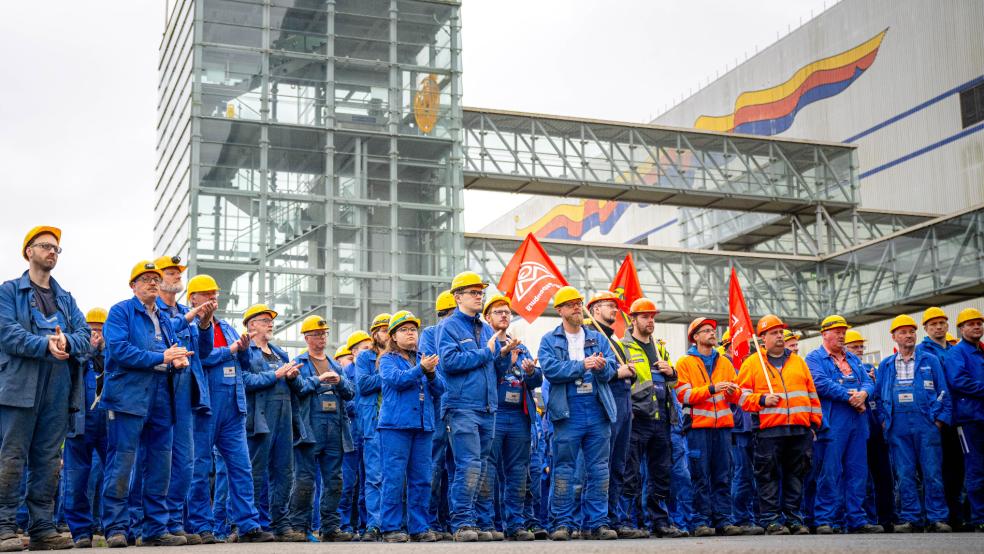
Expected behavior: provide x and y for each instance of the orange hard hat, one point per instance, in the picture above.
(767, 322)
(602, 295)
(697, 324)
(643, 306)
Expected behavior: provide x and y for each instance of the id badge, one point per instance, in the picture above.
(585, 388)
(905, 397)
(329, 406)
(512, 397)
(928, 385)
(420, 397)
(229, 371)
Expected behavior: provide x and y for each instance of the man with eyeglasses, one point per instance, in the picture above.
(510, 455)
(43, 334)
(472, 360)
(324, 434)
(271, 382)
(143, 352)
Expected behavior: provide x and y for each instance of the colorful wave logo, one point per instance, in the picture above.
(572, 221)
(771, 111)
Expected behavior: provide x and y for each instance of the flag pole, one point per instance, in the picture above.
(758, 350)
(617, 351)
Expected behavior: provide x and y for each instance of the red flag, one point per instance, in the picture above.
(739, 321)
(530, 279)
(626, 286)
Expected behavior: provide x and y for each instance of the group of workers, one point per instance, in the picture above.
(156, 423)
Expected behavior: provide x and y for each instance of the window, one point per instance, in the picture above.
(972, 105)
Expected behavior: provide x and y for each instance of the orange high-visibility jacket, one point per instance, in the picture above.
(701, 408)
(798, 400)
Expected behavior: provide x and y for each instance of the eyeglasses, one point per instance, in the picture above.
(267, 320)
(501, 312)
(315, 334)
(477, 293)
(48, 247)
(407, 329)
(149, 280)
(577, 305)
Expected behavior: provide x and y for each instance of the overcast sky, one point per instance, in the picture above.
(78, 104)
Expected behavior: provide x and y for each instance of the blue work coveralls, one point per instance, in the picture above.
(222, 431)
(324, 437)
(582, 409)
(352, 506)
(369, 387)
(510, 453)
(843, 475)
(442, 465)
(269, 432)
(138, 396)
(471, 372)
(406, 427)
(86, 437)
(965, 376)
(744, 496)
(908, 412)
(37, 392)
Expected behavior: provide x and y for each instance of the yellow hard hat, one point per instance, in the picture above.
(901, 321)
(342, 351)
(445, 301)
(834, 322)
(933, 313)
(144, 266)
(381, 320)
(567, 294)
(495, 298)
(33, 233)
(313, 323)
(355, 338)
(466, 279)
(400, 319)
(968, 314)
(257, 309)
(852, 336)
(96, 315)
(788, 335)
(726, 337)
(201, 283)
(951, 339)
(165, 262)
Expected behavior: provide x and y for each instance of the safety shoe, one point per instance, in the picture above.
(777, 529)
(752, 530)
(83, 542)
(254, 535)
(560, 534)
(426, 536)
(192, 538)
(867, 529)
(465, 534)
(484, 536)
(731, 530)
(906, 527)
(395, 536)
(540, 534)
(799, 529)
(670, 532)
(53, 541)
(372, 535)
(116, 541)
(335, 535)
(446, 536)
(704, 531)
(10, 542)
(521, 535)
(626, 532)
(602, 533)
(825, 530)
(939, 527)
(209, 538)
(291, 535)
(167, 539)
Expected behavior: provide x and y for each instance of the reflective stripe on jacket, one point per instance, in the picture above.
(702, 407)
(798, 400)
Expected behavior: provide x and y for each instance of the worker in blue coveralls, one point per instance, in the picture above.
(510, 453)
(143, 353)
(186, 401)
(406, 428)
(324, 434)
(844, 388)
(271, 381)
(349, 508)
(441, 464)
(965, 375)
(472, 360)
(744, 497)
(914, 403)
(222, 430)
(370, 396)
(86, 437)
(579, 364)
(43, 335)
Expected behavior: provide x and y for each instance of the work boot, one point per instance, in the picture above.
(53, 541)
(939, 527)
(867, 529)
(426, 536)
(484, 536)
(626, 532)
(906, 527)
(167, 539)
(254, 535)
(395, 536)
(446, 536)
(752, 530)
(602, 533)
(576, 535)
(521, 535)
(825, 530)
(731, 530)
(291, 535)
(192, 538)
(209, 538)
(372, 535)
(670, 532)
(336, 535)
(83, 542)
(116, 541)
(466, 534)
(704, 531)
(10, 542)
(799, 529)
(540, 534)
(777, 529)
(560, 534)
